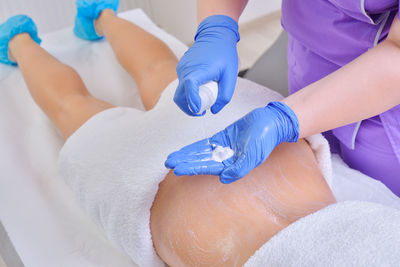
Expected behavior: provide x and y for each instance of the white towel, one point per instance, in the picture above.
(322, 153)
(115, 161)
(114, 164)
(350, 233)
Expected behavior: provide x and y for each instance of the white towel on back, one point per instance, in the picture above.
(115, 161)
(114, 164)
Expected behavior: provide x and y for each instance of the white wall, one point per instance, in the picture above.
(175, 16)
(180, 19)
(51, 15)
(259, 8)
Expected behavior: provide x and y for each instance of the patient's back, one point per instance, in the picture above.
(198, 221)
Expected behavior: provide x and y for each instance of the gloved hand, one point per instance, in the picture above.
(252, 139)
(212, 57)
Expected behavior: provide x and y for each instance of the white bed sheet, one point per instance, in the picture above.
(41, 216)
(38, 211)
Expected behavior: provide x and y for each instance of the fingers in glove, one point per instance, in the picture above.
(240, 168)
(181, 101)
(226, 87)
(199, 168)
(201, 150)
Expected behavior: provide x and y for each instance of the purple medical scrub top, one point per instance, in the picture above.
(324, 35)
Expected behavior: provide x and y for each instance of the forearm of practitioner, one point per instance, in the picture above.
(363, 88)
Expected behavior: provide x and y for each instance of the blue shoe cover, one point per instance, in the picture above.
(87, 12)
(13, 26)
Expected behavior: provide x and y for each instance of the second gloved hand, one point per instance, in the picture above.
(252, 138)
(212, 57)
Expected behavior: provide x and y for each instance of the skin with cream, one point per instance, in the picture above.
(198, 221)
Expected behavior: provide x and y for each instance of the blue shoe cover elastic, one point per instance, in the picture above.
(87, 12)
(13, 26)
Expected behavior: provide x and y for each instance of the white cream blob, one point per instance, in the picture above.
(220, 153)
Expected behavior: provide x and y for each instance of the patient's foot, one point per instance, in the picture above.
(87, 13)
(8, 30)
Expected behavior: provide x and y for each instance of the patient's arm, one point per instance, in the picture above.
(197, 221)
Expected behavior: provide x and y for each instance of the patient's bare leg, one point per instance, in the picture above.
(55, 87)
(146, 58)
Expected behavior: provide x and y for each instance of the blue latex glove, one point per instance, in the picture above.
(13, 26)
(252, 139)
(212, 57)
(87, 12)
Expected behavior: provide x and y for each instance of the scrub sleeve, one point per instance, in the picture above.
(345, 30)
